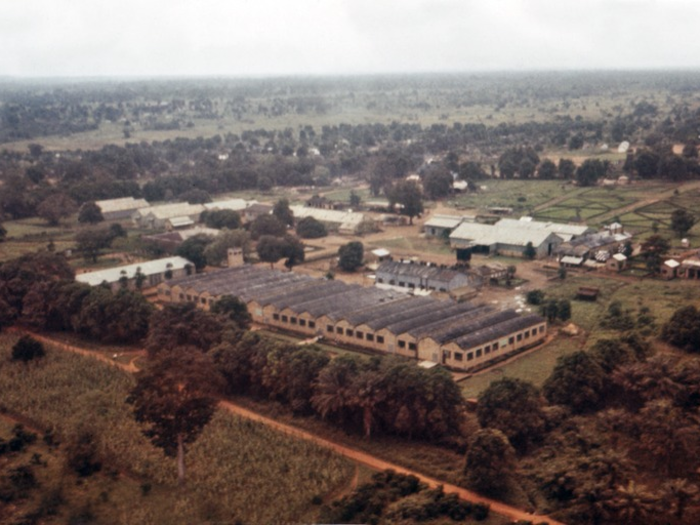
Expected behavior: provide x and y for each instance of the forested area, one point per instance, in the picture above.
(380, 153)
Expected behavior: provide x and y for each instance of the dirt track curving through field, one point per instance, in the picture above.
(363, 458)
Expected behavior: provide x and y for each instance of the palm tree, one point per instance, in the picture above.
(634, 504)
(369, 391)
(333, 390)
(678, 493)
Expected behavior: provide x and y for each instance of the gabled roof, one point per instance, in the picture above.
(112, 275)
(122, 204)
(230, 204)
(444, 221)
(418, 270)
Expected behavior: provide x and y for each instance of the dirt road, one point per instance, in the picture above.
(363, 458)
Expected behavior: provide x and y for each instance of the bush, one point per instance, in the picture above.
(534, 297)
(27, 349)
(480, 511)
(81, 455)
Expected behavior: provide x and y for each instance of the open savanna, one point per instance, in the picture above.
(237, 469)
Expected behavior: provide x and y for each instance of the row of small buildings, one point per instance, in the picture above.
(178, 215)
(462, 336)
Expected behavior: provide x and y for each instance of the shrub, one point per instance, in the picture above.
(27, 349)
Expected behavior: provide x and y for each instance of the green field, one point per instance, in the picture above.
(235, 469)
(662, 298)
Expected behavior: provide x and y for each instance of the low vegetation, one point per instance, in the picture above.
(235, 469)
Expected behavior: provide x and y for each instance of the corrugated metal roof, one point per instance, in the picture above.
(112, 275)
(230, 204)
(443, 221)
(178, 222)
(347, 219)
(122, 204)
(554, 227)
(486, 235)
(497, 330)
(418, 270)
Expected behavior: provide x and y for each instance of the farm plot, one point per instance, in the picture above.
(586, 206)
(521, 195)
(657, 215)
(237, 470)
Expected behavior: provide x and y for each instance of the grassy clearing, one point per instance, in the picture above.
(534, 367)
(236, 468)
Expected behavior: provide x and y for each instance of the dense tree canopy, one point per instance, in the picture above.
(311, 228)
(514, 407)
(90, 213)
(408, 195)
(220, 219)
(350, 256)
(490, 461)
(682, 221)
(56, 207)
(577, 381)
(182, 325)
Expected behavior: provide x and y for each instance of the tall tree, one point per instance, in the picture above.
(182, 325)
(438, 183)
(577, 381)
(408, 194)
(216, 252)
(350, 256)
(233, 309)
(490, 461)
(547, 170)
(220, 219)
(193, 250)
(56, 207)
(271, 249)
(514, 407)
(682, 221)
(267, 225)
(90, 213)
(283, 212)
(311, 228)
(654, 249)
(175, 398)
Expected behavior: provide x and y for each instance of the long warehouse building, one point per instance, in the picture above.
(461, 336)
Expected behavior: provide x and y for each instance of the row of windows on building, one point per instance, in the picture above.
(487, 349)
(294, 320)
(392, 282)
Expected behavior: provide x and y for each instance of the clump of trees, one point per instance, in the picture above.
(683, 329)
(396, 498)
(381, 395)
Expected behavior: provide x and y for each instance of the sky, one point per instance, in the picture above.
(152, 38)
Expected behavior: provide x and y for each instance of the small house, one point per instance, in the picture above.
(669, 269)
(616, 263)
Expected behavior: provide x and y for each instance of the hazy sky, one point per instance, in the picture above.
(263, 37)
